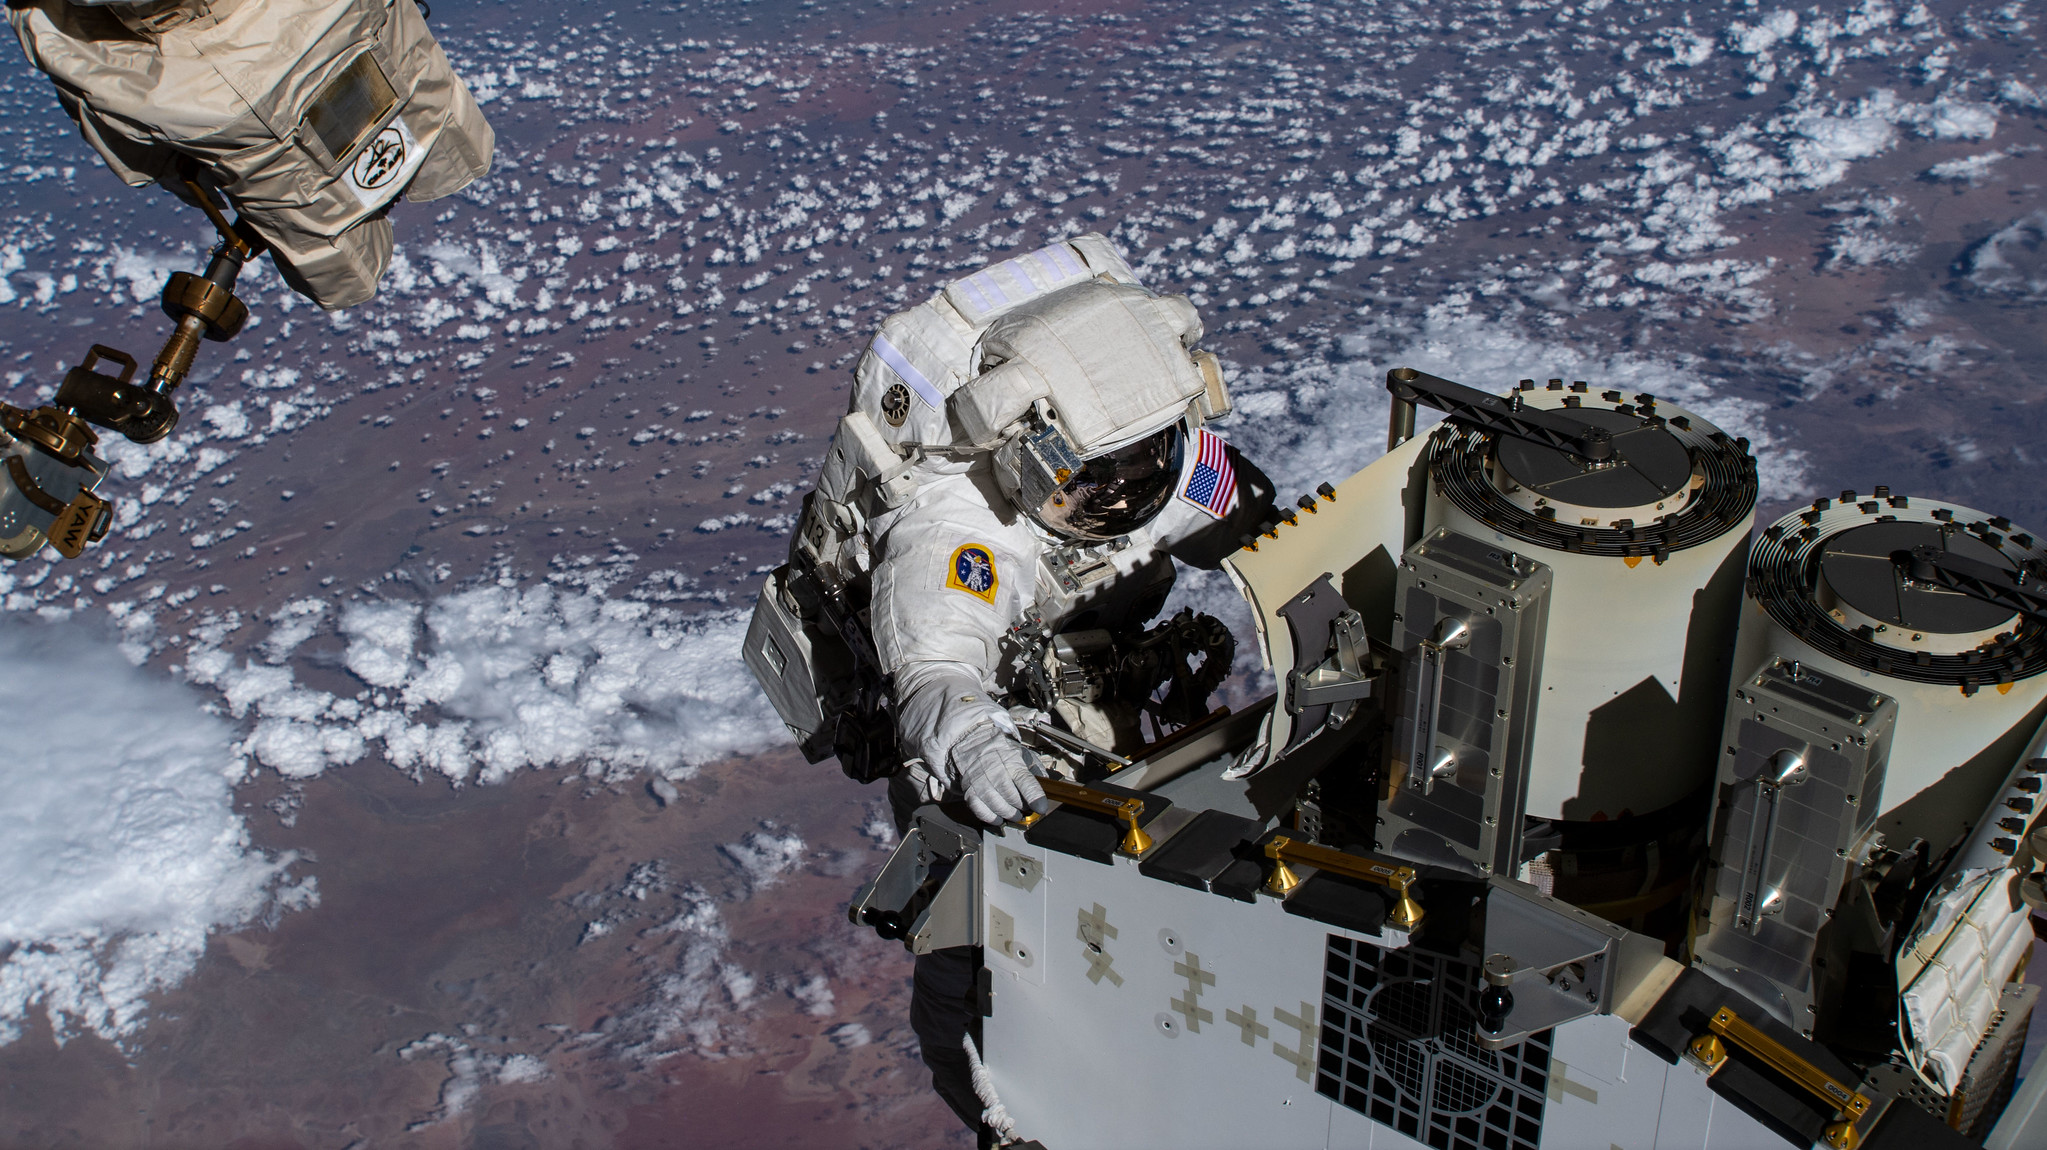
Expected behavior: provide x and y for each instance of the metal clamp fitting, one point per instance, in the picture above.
(1128, 810)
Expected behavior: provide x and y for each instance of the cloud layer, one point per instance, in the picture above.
(119, 847)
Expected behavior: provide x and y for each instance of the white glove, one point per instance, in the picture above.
(995, 773)
(967, 742)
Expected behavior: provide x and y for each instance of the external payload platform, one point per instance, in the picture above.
(1582, 814)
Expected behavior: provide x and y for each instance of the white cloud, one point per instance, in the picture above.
(120, 851)
(1745, 40)
(690, 996)
(491, 680)
(380, 636)
(1974, 169)
(2010, 261)
(847, 1035)
(765, 856)
(1324, 422)
(1824, 145)
(814, 994)
(469, 1070)
(1951, 119)
(144, 273)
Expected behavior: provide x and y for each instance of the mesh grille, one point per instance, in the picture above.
(1993, 1070)
(1398, 1047)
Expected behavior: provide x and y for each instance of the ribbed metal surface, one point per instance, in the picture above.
(1459, 460)
(1784, 572)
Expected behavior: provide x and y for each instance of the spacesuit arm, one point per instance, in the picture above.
(967, 741)
(950, 578)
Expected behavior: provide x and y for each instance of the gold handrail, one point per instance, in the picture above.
(1406, 913)
(1129, 810)
(1850, 1106)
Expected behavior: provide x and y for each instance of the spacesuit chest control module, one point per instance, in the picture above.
(994, 526)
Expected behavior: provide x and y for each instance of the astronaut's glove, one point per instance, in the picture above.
(997, 775)
(967, 741)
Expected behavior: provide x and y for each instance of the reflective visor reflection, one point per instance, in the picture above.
(1117, 492)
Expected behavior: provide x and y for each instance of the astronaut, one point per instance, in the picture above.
(1025, 458)
(1099, 466)
(311, 116)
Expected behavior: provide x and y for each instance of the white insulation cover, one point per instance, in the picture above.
(1620, 627)
(1970, 949)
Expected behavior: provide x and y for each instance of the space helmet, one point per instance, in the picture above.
(1087, 395)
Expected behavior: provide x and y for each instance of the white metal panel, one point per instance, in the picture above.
(1684, 1122)
(1014, 891)
(1369, 512)
(1595, 1047)
(1588, 1110)
(1595, 599)
(1127, 1058)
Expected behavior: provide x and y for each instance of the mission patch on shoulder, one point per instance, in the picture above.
(973, 571)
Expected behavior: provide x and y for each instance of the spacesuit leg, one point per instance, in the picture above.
(942, 1014)
(943, 986)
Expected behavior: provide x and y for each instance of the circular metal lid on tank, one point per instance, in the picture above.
(1683, 482)
(1857, 567)
(1826, 575)
(1648, 464)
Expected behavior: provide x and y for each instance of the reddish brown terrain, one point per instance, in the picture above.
(457, 913)
(453, 575)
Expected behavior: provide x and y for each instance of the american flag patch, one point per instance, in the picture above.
(1212, 484)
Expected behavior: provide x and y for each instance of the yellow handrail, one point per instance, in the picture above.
(1406, 913)
(1850, 1105)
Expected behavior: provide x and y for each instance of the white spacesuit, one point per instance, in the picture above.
(1025, 457)
(1100, 474)
(311, 116)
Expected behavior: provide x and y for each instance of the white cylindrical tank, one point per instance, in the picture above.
(1648, 551)
(1825, 590)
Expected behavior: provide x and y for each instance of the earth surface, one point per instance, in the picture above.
(389, 777)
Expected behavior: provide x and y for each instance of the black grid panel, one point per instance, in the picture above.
(1398, 1048)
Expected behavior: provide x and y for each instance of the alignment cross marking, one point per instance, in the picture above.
(1190, 1007)
(1303, 1059)
(1247, 1024)
(1560, 1084)
(1095, 931)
